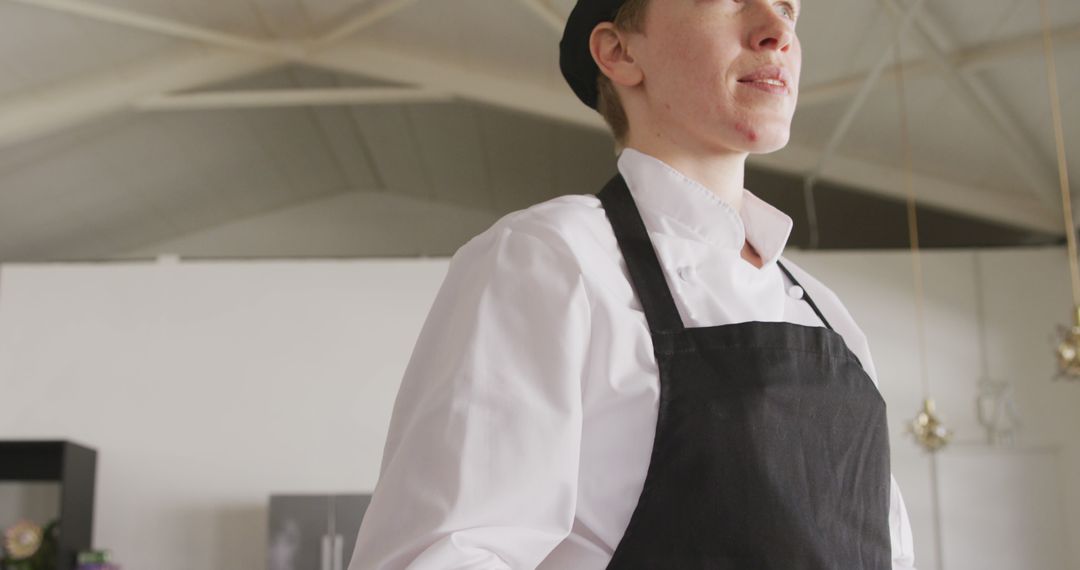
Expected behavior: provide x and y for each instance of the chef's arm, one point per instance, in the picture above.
(903, 550)
(480, 465)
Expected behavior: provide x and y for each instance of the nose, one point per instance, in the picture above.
(770, 30)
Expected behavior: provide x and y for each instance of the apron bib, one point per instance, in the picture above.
(771, 449)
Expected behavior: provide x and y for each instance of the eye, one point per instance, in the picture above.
(789, 10)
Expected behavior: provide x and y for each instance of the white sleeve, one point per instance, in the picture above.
(903, 550)
(480, 465)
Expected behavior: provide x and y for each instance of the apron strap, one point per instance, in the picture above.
(806, 295)
(644, 267)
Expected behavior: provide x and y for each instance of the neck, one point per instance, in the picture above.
(721, 172)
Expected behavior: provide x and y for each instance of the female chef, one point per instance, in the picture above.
(638, 379)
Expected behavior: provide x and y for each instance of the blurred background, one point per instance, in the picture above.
(222, 223)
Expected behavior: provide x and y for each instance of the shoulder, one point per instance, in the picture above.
(527, 263)
(564, 225)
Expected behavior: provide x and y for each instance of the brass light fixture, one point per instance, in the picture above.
(995, 403)
(927, 427)
(1068, 350)
(1068, 346)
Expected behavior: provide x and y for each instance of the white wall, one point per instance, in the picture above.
(1026, 295)
(207, 386)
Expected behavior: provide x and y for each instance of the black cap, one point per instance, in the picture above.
(575, 59)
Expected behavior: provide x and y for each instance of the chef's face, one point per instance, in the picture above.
(695, 56)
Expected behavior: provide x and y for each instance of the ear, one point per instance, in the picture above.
(609, 49)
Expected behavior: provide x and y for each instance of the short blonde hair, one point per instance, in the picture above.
(629, 18)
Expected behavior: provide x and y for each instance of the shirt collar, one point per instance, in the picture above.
(660, 189)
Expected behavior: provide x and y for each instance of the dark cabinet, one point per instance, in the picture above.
(73, 468)
(313, 532)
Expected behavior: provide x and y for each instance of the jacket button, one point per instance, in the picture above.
(796, 292)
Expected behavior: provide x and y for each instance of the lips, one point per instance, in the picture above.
(769, 75)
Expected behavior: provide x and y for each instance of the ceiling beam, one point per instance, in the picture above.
(468, 82)
(34, 115)
(361, 20)
(167, 27)
(965, 60)
(856, 104)
(472, 82)
(39, 112)
(980, 100)
(50, 110)
(306, 97)
(180, 30)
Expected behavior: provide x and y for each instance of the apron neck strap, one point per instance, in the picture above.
(806, 295)
(644, 267)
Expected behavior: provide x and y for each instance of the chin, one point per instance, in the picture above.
(766, 144)
(763, 142)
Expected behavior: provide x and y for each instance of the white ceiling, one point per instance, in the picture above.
(107, 152)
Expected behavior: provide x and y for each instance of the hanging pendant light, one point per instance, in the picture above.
(1068, 346)
(995, 404)
(927, 427)
(1068, 350)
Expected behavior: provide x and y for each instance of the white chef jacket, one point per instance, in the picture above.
(523, 427)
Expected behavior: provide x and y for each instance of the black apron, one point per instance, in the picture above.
(771, 448)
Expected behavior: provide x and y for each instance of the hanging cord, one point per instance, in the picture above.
(980, 305)
(1063, 167)
(913, 223)
(917, 275)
